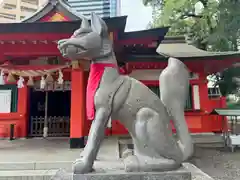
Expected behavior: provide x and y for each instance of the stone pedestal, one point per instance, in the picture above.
(103, 172)
(180, 174)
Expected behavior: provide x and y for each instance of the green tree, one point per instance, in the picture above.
(215, 28)
(181, 17)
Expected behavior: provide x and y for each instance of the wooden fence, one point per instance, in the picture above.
(57, 126)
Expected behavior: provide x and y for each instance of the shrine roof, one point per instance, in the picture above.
(226, 112)
(179, 48)
(60, 6)
(115, 23)
(156, 32)
(56, 16)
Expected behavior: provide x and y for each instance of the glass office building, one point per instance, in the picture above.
(104, 8)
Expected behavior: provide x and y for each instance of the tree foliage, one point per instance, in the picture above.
(215, 28)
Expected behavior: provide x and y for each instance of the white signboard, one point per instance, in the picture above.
(5, 101)
(196, 98)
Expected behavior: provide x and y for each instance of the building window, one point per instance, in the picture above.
(214, 92)
(27, 9)
(188, 106)
(8, 16)
(19, 61)
(9, 6)
(8, 98)
(33, 2)
(55, 60)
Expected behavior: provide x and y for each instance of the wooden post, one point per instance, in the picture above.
(45, 128)
(111, 36)
(77, 107)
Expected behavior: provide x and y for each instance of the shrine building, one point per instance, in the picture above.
(39, 88)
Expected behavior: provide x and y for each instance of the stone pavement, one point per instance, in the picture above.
(37, 149)
(118, 173)
(38, 153)
(219, 163)
(57, 149)
(40, 156)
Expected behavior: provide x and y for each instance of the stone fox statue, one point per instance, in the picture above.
(147, 118)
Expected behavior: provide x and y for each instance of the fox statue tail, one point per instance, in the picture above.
(174, 91)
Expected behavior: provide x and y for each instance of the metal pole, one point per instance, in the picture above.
(12, 132)
(45, 129)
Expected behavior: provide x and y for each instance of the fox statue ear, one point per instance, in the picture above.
(98, 25)
(85, 24)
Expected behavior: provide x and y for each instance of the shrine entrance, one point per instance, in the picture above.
(50, 108)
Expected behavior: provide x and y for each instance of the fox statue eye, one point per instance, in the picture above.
(81, 34)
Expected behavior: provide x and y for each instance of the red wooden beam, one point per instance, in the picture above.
(137, 41)
(31, 67)
(28, 50)
(211, 65)
(32, 54)
(146, 65)
(33, 36)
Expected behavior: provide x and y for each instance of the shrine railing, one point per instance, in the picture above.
(57, 126)
(214, 92)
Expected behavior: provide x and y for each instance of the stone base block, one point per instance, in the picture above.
(180, 174)
(188, 172)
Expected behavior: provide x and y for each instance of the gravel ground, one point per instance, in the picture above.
(219, 163)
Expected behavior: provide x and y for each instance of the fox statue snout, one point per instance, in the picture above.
(87, 42)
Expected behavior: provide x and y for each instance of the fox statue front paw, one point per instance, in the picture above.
(81, 166)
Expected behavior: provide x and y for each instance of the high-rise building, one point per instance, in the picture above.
(15, 10)
(104, 8)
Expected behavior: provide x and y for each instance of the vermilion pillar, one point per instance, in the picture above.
(23, 111)
(77, 108)
(203, 93)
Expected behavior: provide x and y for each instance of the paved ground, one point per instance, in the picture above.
(218, 163)
(29, 150)
(38, 150)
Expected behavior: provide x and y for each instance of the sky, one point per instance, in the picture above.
(138, 15)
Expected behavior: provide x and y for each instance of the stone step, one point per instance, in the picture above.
(197, 139)
(67, 166)
(31, 166)
(211, 145)
(28, 175)
(180, 174)
(200, 140)
(188, 172)
(205, 139)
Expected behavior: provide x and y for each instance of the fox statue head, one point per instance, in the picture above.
(89, 42)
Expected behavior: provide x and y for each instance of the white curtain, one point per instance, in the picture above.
(109, 125)
(5, 101)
